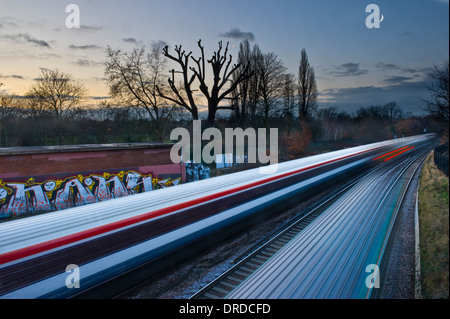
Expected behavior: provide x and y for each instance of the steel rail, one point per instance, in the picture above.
(398, 207)
(228, 281)
(266, 250)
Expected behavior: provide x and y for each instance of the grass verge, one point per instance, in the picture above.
(434, 228)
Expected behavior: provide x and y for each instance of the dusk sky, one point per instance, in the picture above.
(355, 66)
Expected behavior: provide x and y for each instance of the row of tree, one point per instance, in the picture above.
(21, 125)
(270, 91)
(258, 90)
(255, 89)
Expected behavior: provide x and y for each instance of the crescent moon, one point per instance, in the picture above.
(382, 18)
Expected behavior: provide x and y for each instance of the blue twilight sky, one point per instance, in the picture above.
(355, 66)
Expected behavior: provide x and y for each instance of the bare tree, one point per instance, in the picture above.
(256, 59)
(133, 80)
(222, 74)
(307, 87)
(392, 112)
(57, 91)
(184, 96)
(270, 71)
(334, 125)
(34, 106)
(9, 111)
(438, 104)
(288, 95)
(242, 90)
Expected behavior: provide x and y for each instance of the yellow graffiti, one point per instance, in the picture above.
(58, 183)
(120, 175)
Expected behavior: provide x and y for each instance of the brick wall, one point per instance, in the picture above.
(26, 162)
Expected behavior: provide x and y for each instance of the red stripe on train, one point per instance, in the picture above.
(408, 149)
(390, 153)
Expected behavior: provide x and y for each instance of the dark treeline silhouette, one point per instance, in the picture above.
(107, 123)
(102, 124)
(438, 102)
(149, 99)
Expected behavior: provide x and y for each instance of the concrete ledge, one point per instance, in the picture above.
(81, 147)
(418, 288)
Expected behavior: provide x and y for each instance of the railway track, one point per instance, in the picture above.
(222, 286)
(260, 253)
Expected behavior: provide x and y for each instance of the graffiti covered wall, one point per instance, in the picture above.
(37, 179)
(43, 194)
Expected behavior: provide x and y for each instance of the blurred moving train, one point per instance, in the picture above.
(152, 231)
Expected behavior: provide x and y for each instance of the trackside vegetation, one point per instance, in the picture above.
(434, 227)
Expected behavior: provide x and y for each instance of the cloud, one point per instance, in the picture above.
(81, 62)
(409, 95)
(424, 70)
(409, 70)
(403, 73)
(82, 28)
(100, 97)
(90, 28)
(85, 63)
(237, 34)
(97, 78)
(12, 76)
(26, 38)
(44, 55)
(397, 79)
(418, 73)
(40, 43)
(159, 44)
(386, 66)
(155, 44)
(406, 34)
(8, 23)
(84, 47)
(348, 69)
(130, 40)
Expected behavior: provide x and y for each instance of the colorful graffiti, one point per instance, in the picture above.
(56, 194)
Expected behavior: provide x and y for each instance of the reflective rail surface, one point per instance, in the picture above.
(340, 254)
(107, 239)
